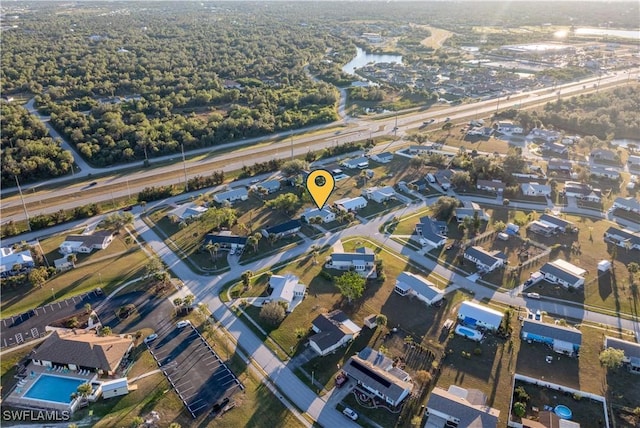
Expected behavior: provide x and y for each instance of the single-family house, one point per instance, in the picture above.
(332, 331)
(563, 166)
(420, 184)
(418, 150)
(535, 189)
(82, 350)
(509, 128)
(115, 388)
(604, 172)
(495, 186)
(433, 231)
(376, 373)
(582, 191)
(557, 222)
(553, 147)
(470, 210)
(545, 135)
(564, 273)
(477, 315)
(359, 162)
(287, 289)
(281, 230)
(325, 215)
(239, 194)
(379, 194)
(351, 204)
(384, 157)
(226, 241)
(633, 161)
(604, 156)
(443, 178)
(622, 238)
(544, 229)
(414, 285)
(187, 211)
(86, 243)
(362, 261)
(627, 204)
(484, 260)
(563, 340)
(631, 352)
(459, 407)
(13, 263)
(269, 186)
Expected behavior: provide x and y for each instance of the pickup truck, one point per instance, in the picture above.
(341, 379)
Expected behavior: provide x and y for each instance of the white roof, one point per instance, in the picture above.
(315, 212)
(565, 265)
(480, 313)
(114, 384)
(285, 286)
(241, 191)
(351, 203)
(12, 258)
(185, 211)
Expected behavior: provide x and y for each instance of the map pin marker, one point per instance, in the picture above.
(320, 184)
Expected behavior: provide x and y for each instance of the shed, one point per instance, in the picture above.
(604, 265)
(114, 388)
(371, 321)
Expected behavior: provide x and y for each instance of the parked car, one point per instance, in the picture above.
(533, 295)
(341, 379)
(350, 413)
(183, 324)
(150, 338)
(128, 208)
(447, 119)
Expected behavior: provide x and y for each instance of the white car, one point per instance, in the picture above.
(533, 295)
(350, 413)
(183, 324)
(150, 338)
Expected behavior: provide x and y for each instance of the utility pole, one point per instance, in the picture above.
(292, 147)
(184, 167)
(24, 206)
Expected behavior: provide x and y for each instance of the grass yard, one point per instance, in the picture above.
(8, 367)
(106, 273)
(374, 209)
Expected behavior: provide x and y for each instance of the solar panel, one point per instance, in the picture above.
(373, 375)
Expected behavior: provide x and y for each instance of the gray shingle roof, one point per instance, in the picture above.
(555, 220)
(419, 285)
(566, 334)
(225, 239)
(481, 254)
(470, 415)
(631, 349)
(558, 272)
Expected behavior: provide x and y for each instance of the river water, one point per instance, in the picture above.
(363, 58)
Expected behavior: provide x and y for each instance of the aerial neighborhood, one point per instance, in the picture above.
(333, 221)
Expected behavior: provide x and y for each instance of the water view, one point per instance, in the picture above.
(363, 58)
(626, 34)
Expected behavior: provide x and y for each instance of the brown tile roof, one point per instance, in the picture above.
(84, 349)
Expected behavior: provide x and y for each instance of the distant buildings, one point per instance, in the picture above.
(628, 204)
(187, 211)
(227, 241)
(622, 238)
(325, 215)
(495, 186)
(470, 210)
(360, 163)
(535, 189)
(384, 157)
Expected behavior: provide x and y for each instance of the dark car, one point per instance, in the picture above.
(129, 208)
(220, 404)
(93, 183)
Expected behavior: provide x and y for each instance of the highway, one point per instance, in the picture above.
(233, 156)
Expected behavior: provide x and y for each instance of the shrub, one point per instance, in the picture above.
(520, 409)
(272, 313)
(477, 351)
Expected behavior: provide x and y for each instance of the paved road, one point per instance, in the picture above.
(357, 129)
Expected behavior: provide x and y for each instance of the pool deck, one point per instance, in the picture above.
(17, 398)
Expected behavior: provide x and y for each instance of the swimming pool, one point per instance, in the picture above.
(469, 332)
(563, 411)
(54, 388)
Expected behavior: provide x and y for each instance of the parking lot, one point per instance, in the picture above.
(31, 324)
(198, 375)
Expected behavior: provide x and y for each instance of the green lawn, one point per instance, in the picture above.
(108, 274)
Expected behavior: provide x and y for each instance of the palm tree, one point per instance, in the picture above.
(72, 258)
(213, 251)
(272, 238)
(253, 241)
(189, 299)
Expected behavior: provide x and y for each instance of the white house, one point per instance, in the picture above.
(459, 407)
(239, 194)
(433, 231)
(471, 210)
(384, 157)
(604, 172)
(509, 128)
(545, 135)
(360, 163)
(326, 215)
(377, 374)
(270, 186)
(333, 330)
(351, 204)
(115, 388)
(553, 147)
(414, 285)
(604, 156)
(556, 222)
(563, 273)
(535, 189)
(633, 161)
(379, 194)
(495, 186)
(287, 289)
(362, 261)
(86, 243)
(484, 260)
(477, 315)
(10, 259)
(627, 204)
(187, 211)
(622, 238)
(631, 352)
(560, 165)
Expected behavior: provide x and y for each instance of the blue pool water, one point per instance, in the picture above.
(563, 411)
(54, 388)
(467, 332)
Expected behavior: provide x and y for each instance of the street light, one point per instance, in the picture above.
(53, 294)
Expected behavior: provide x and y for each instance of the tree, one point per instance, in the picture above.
(461, 179)
(72, 258)
(287, 203)
(520, 409)
(87, 307)
(178, 301)
(253, 241)
(137, 421)
(499, 226)
(118, 220)
(351, 285)
(105, 331)
(294, 167)
(175, 425)
(84, 390)
(189, 299)
(246, 277)
(506, 202)
(272, 238)
(381, 320)
(611, 358)
(447, 127)
(38, 276)
(423, 377)
(443, 208)
(213, 251)
(272, 313)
